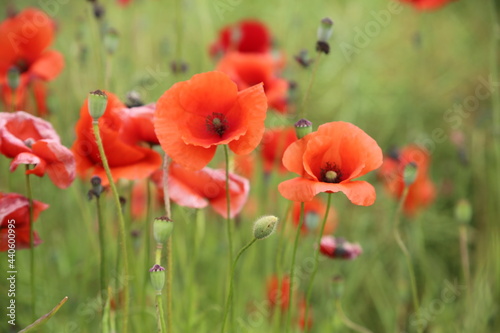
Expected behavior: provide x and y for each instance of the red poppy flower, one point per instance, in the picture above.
(314, 212)
(275, 295)
(244, 36)
(274, 143)
(126, 159)
(422, 192)
(193, 117)
(31, 140)
(339, 248)
(328, 160)
(427, 4)
(247, 69)
(15, 207)
(302, 315)
(138, 124)
(24, 39)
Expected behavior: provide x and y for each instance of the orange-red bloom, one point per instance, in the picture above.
(273, 146)
(126, 159)
(248, 69)
(138, 124)
(422, 192)
(427, 4)
(329, 160)
(314, 212)
(31, 140)
(247, 36)
(193, 117)
(278, 296)
(198, 189)
(15, 207)
(24, 39)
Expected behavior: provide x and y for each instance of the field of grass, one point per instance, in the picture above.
(401, 75)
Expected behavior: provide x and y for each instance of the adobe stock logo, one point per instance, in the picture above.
(372, 29)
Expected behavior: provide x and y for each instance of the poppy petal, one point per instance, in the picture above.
(29, 158)
(48, 66)
(60, 161)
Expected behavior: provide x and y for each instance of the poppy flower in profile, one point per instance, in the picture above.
(329, 160)
(126, 158)
(339, 248)
(278, 292)
(31, 140)
(15, 207)
(422, 192)
(427, 4)
(24, 39)
(193, 117)
(248, 69)
(201, 188)
(138, 124)
(314, 212)
(248, 36)
(273, 146)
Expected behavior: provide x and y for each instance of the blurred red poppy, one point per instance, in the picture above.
(422, 192)
(124, 3)
(278, 295)
(328, 160)
(247, 36)
(314, 212)
(302, 322)
(273, 146)
(31, 140)
(138, 124)
(193, 117)
(244, 165)
(24, 39)
(198, 189)
(126, 159)
(14, 211)
(427, 4)
(339, 248)
(247, 69)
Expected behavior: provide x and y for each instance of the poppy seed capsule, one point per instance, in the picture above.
(463, 211)
(162, 229)
(13, 76)
(157, 275)
(325, 30)
(302, 128)
(265, 226)
(97, 102)
(410, 173)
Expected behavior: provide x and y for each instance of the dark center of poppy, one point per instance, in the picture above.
(217, 123)
(330, 174)
(22, 65)
(29, 142)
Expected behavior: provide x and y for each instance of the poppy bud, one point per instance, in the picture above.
(97, 188)
(134, 99)
(97, 102)
(325, 31)
(13, 76)
(265, 226)
(157, 274)
(410, 173)
(463, 211)
(303, 59)
(162, 229)
(111, 39)
(302, 128)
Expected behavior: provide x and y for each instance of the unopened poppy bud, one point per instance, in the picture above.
(410, 173)
(303, 58)
(13, 76)
(134, 99)
(463, 211)
(111, 39)
(97, 188)
(97, 102)
(302, 128)
(157, 274)
(162, 229)
(265, 226)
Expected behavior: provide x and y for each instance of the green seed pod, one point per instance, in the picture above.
(302, 128)
(162, 229)
(463, 211)
(410, 173)
(97, 102)
(265, 226)
(157, 274)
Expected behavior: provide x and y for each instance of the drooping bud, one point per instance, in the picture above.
(265, 226)
(13, 77)
(303, 58)
(463, 211)
(325, 31)
(410, 173)
(111, 39)
(302, 128)
(162, 229)
(97, 188)
(97, 102)
(157, 274)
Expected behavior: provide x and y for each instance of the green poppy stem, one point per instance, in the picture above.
(316, 259)
(102, 250)
(169, 258)
(292, 269)
(160, 313)
(309, 86)
(32, 243)
(123, 238)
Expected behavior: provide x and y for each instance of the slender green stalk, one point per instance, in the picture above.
(316, 259)
(123, 238)
(160, 313)
(169, 258)
(406, 253)
(292, 269)
(495, 78)
(230, 294)
(147, 247)
(32, 242)
(464, 255)
(102, 250)
(309, 86)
